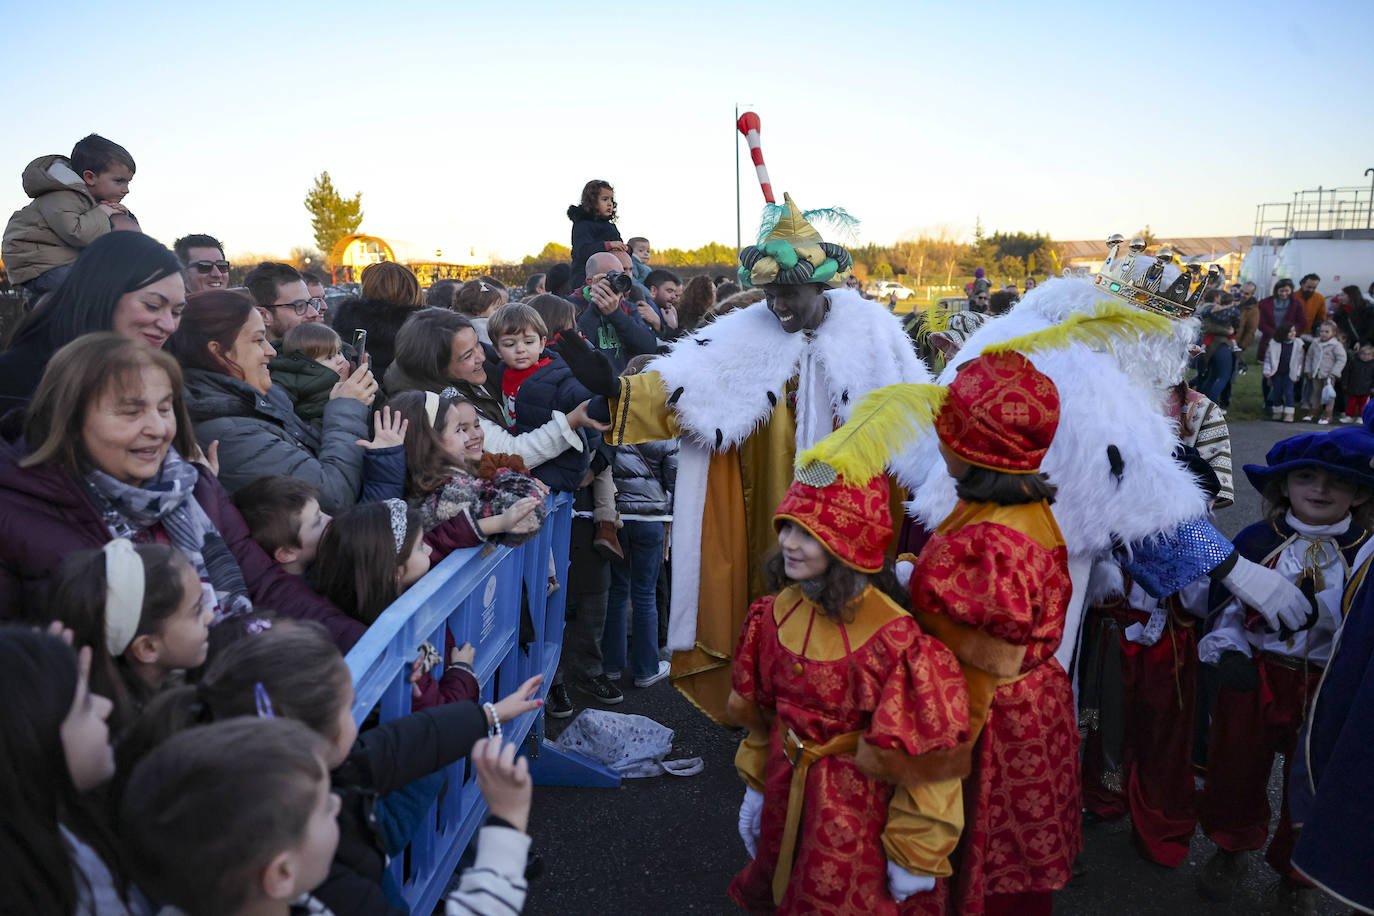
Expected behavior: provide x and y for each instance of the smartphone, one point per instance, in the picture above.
(359, 345)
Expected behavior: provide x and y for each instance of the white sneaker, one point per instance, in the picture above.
(651, 680)
(1323, 421)
(1347, 419)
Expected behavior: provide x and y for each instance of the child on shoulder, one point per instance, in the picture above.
(1316, 490)
(854, 716)
(75, 202)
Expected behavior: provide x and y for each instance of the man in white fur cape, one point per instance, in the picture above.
(1119, 487)
(746, 393)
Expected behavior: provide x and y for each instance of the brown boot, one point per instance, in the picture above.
(606, 543)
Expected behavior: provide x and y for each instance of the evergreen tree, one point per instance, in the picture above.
(332, 216)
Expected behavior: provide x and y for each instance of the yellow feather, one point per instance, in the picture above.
(1108, 323)
(883, 424)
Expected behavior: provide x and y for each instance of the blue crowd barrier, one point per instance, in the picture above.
(477, 595)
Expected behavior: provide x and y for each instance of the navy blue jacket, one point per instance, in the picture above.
(619, 335)
(1338, 757)
(546, 390)
(589, 235)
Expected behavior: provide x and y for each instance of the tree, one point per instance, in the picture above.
(883, 271)
(305, 258)
(552, 253)
(1147, 235)
(332, 216)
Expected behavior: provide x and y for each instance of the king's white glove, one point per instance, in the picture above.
(750, 813)
(903, 570)
(901, 883)
(1279, 602)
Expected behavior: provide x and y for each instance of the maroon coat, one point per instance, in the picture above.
(1296, 316)
(45, 515)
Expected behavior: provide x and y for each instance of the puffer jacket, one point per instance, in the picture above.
(1324, 359)
(1274, 352)
(589, 235)
(307, 383)
(383, 760)
(645, 475)
(381, 320)
(553, 388)
(51, 231)
(45, 515)
(260, 434)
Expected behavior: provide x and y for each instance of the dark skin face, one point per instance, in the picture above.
(797, 308)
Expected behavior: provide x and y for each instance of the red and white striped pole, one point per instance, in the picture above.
(749, 125)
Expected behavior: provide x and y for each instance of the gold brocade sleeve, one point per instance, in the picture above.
(641, 412)
(923, 826)
(751, 760)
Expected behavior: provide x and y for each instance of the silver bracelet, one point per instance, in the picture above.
(494, 730)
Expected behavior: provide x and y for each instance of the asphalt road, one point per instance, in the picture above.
(668, 845)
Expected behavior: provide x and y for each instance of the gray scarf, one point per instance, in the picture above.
(169, 499)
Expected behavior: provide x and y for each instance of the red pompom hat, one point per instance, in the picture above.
(1001, 413)
(853, 523)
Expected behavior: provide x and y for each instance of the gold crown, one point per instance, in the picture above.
(1138, 278)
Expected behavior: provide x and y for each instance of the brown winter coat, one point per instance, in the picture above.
(51, 231)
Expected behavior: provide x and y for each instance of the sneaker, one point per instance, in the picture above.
(1293, 898)
(651, 680)
(601, 688)
(606, 543)
(1307, 419)
(1221, 874)
(1347, 419)
(559, 704)
(1323, 422)
(612, 675)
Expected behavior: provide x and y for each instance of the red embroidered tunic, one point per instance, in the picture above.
(878, 675)
(1001, 574)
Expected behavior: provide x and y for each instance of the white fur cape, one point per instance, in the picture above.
(728, 369)
(1106, 398)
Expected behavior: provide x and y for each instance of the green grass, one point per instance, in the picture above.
(1247, 397)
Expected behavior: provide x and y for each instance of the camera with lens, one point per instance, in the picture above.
(619, 281)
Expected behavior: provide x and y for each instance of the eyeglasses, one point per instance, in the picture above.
(204, 267)
(301, 306)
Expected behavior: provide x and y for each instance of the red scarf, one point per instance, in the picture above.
(511, 380)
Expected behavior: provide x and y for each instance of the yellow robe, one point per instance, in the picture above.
(744, 485)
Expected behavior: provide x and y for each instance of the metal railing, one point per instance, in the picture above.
(480, 595)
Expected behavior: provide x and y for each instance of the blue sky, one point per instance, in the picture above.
(477, 124)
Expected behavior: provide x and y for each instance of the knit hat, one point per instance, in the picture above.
(1001, 413)
(853, 523)
(790, 250)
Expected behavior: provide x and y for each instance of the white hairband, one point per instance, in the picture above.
(432, 407)
(400, 525)
(123, 594)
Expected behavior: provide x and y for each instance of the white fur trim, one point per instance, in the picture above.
(859, 347)
(728, 368)
(689, 502)
(1105, 398)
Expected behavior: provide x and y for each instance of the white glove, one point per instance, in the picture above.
(901, 883)
(750, 813)
(904, 569)
(1279, 601)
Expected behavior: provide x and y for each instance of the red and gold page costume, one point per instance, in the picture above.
(993, 585)
(886, 706)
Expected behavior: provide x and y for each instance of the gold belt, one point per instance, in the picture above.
(801, 756)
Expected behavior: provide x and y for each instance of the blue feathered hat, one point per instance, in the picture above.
(1347, 453)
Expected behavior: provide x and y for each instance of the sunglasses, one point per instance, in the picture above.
(204, 267)
(301, 306)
